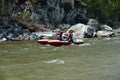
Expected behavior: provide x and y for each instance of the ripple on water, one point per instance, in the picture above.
(107, 38)
(117, 41)
(55, 48)
(43, 47)
(116, 38)
(6, 51)
(112, 38)
(26, 48)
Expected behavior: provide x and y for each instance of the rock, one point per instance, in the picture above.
(20, 37)
(64, 27)
(3, 40)
(10, 36)
(94, 24)
(31, 26)
(105, 33)
(34, 17)
(44, 35)
(117, 32)
(82, 31)
(76, 16)
(50, 12)
(12, 31)
(106, 27)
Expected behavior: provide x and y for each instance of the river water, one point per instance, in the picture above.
(96, 59)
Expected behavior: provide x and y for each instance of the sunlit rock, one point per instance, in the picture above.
(105, 33)
(106, 27)
(81, 31)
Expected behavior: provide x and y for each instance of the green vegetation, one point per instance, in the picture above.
(104, 10)
(3, 7)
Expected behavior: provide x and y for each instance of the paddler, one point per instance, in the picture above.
(59, 34)
(70, 35)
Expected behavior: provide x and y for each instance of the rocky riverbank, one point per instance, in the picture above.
(10, 30)
(27, 19)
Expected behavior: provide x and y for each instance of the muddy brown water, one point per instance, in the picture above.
(96, 59)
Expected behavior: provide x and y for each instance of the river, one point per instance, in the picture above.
(96, 59)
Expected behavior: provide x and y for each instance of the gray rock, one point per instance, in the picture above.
(94, 24)
(104, 33)
(47, 35)
(82, 31)
(64, 27)
(106, 27)
(35, 17)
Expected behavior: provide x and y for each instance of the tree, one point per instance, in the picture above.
(104, 10)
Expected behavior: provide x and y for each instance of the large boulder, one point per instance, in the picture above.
(94, 24)
(106, 27)
(104, 33)
(3, 40)
(82, 30)
(117, 32)
(44, 35)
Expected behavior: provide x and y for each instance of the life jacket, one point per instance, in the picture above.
(59, 35)
(68, 35)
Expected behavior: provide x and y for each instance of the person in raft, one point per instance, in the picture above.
(70, 35)
(59, 34)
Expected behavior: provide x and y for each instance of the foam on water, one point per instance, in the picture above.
(85, 44)
(107, 38)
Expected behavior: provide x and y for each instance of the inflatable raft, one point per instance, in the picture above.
(60, 43)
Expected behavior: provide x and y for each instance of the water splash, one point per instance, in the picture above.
(55, 61)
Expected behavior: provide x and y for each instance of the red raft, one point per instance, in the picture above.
(59, 43)
(43, 41)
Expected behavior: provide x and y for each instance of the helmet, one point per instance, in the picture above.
(68, 30)
(58, 30)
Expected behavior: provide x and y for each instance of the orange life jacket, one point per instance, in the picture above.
(59, 35)
(68, 35)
